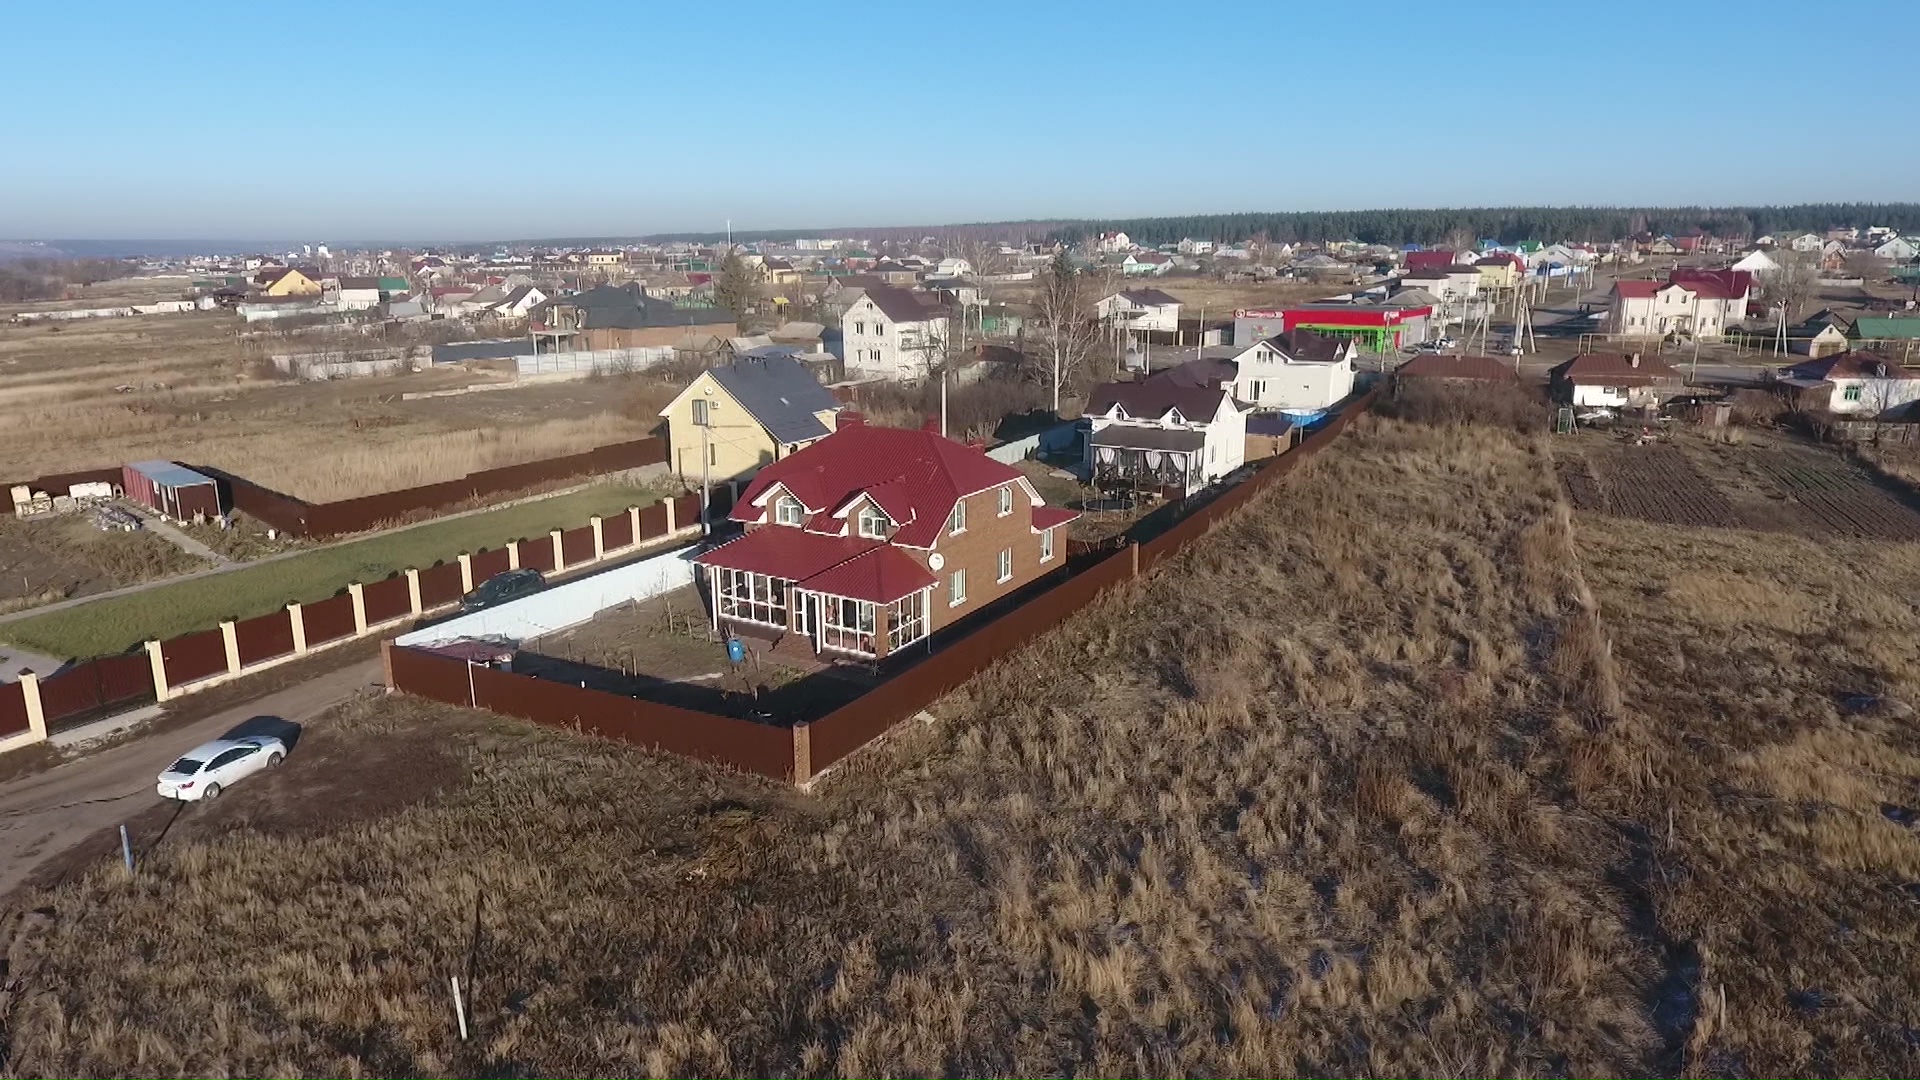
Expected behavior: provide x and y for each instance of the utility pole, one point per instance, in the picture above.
(704, 422)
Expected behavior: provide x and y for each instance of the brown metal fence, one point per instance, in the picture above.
(195, 656)
(537, 552)
(653, 520)
(686, 510)
(328, 619)
(441, 584)
(764, 749)
(488, 563)
(576, 545)
(264, 637)
(13, 707)
(387, 599)
(301, 518)
(616, 531)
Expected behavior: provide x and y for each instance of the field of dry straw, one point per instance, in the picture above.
(1403, 771)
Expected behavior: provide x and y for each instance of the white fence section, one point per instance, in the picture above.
(583, 363)
(162, 307)
(321, 366)
(566, 605)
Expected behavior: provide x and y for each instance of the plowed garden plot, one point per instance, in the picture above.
(1842, 497)
(1653, 483)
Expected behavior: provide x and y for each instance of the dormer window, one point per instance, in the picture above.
(788, 511)
(874, 522)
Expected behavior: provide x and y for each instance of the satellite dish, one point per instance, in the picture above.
(936, 560)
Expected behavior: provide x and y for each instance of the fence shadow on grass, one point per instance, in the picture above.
(796, 700)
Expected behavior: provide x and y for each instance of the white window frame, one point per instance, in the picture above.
(780, 516)
(907, 622)
(1046, 545)
(838, 634)
(750, 597)
(957, 587)
(702, 410)
(869, 513)
(1004, 567)
(1006, 500)
(957, 518)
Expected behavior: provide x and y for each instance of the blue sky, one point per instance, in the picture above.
(483, 120)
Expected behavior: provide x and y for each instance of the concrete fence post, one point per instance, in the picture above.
(413, 589)
(559, 555)
(513, 554)
(802, 753)
(359, 594)
(232, 641)
(299, 621)
(599, 538)
(668, 503)
(159, 664)
(36, 716)
(466, 573)
(633, 522)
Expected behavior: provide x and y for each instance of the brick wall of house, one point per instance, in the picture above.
(978, 549)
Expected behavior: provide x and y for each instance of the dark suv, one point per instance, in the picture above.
(502, 587)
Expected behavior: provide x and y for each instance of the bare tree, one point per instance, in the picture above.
(1864, 265)
(1065, 321)
(1793, 285)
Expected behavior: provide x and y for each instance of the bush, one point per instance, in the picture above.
(1441, 403)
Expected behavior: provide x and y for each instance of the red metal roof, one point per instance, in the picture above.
(1731, 283)
(880, 576)
(922, 473)
(1349, 315)
(1638, 290)
(785, 552)
(1429, 260)
(1046, 517)
(1857, 364)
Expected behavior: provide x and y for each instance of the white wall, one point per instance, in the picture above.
(874, 346)
(1876, 395)
(561, 606)
(1299, 385)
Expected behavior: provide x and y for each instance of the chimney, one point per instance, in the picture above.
(1634, 360)
(847, 418)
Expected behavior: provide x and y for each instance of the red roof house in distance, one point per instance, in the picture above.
(1437, 259)
(874, 538)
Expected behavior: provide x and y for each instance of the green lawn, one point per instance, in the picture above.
(117, 624)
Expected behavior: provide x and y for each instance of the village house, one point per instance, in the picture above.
(1700, 308)
(741, 416)
(1614, 381)
(1501, 270)
(1821, 334)
(624, 317)
(1806, 243)
(1189, 246)
(1898, 249)
(358, 293)
(1140, 309)
(1448, 369)
(1145, 263)
(893, 333)
(873, 539)
(517, 302)
(1175, 431)
(1852, 383)
(1299, 372)
(287, 281)
(1112, 243)
(1894, 336)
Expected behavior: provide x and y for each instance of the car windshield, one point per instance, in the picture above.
(186, 766)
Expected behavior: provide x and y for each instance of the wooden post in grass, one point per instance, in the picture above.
(36, 715)
(599, 538)
(359, 594)
(299, 622)
(413, 589)
(159, 665)
(466, 573)
(559, 555)
(232, 641)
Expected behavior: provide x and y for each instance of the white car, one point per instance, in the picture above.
(204, 771)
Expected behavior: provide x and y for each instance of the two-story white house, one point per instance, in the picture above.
(1140, 309)
(892, 333)
(1701, 309)
(1807, 243)
(1300, 372)
(1174, 432)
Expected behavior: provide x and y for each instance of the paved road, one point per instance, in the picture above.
(43, 815)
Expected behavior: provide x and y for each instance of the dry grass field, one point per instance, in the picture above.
(1408, 769)
(186, 387)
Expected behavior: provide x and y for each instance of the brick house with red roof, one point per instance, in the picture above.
(875, 538)
(1701, 306)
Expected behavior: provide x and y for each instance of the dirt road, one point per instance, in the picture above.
(44, 815)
